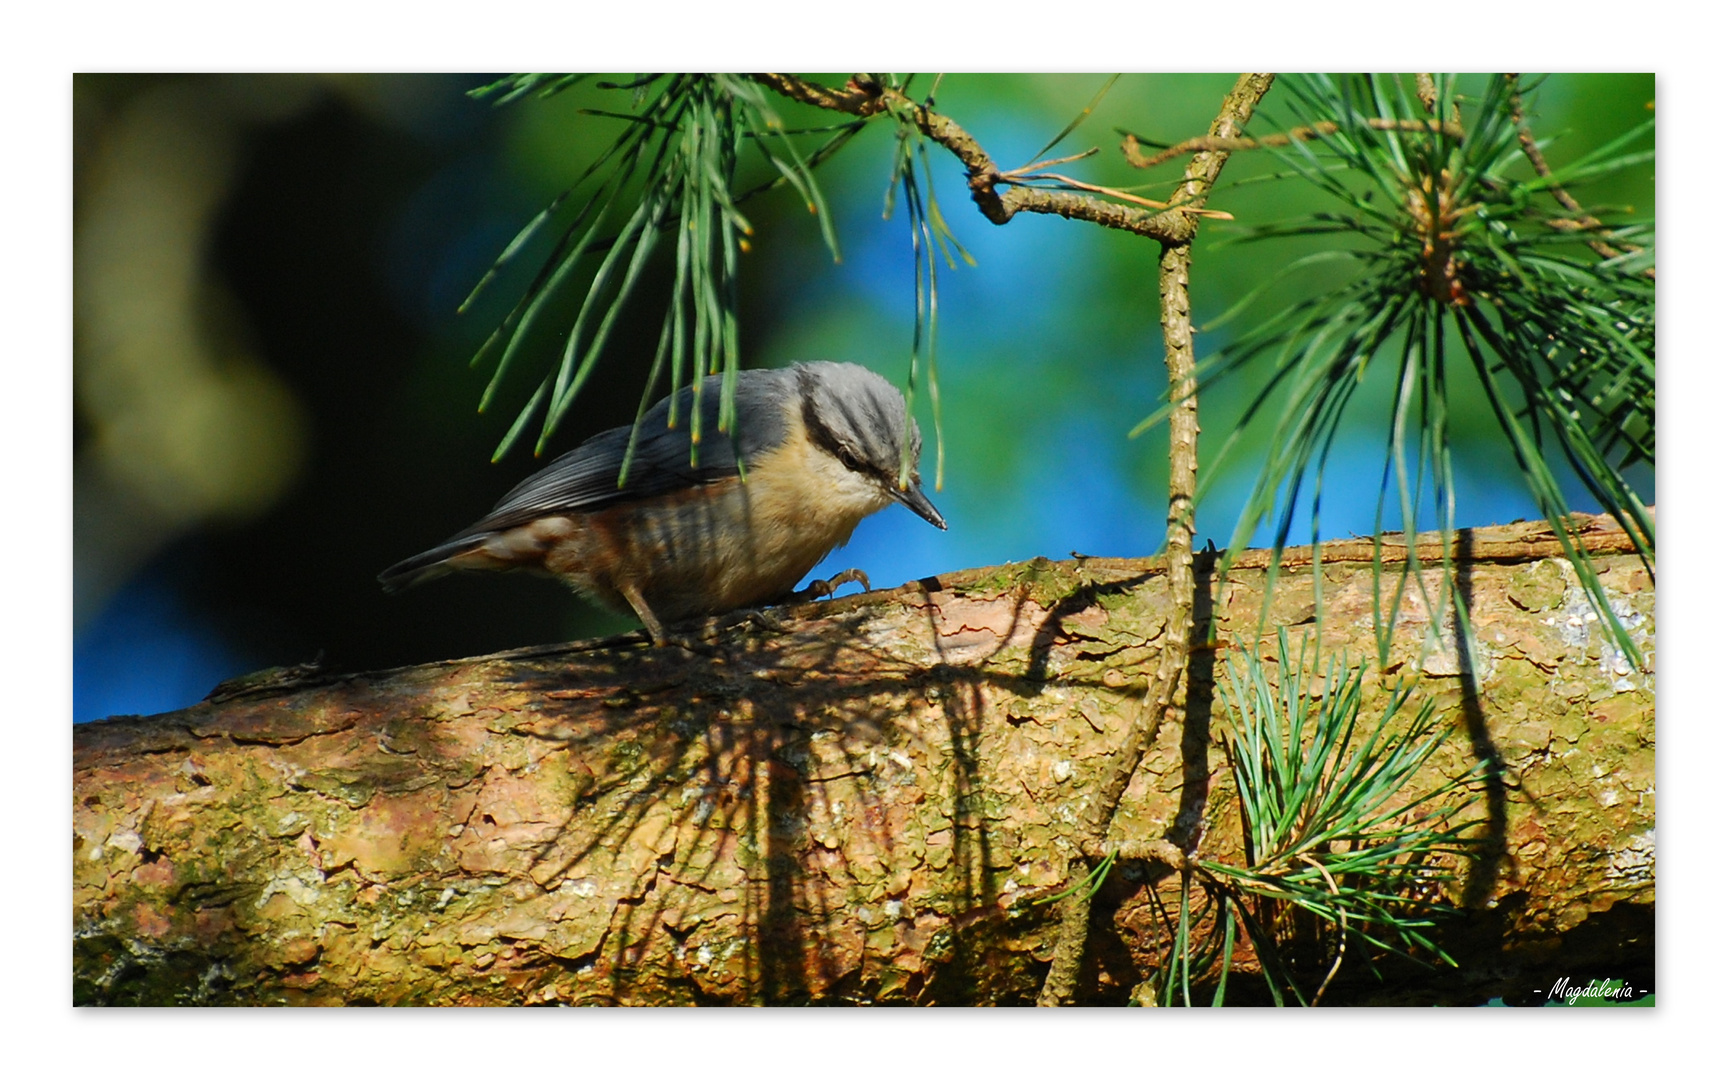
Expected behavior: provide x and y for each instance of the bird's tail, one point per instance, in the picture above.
(428, 564)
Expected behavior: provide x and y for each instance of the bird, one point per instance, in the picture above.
(733, 521)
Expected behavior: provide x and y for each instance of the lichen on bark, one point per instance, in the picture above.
(865, 808)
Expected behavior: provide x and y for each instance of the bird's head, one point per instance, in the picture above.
(855, 415)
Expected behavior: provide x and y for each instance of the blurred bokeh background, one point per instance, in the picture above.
(274, 402)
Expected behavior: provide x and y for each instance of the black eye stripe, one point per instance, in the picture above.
(819, 433)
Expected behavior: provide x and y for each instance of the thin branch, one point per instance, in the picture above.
(1081, 185)
(1062, 980)
(1427, 91)
(1153, 849)
(863, 96)
(1025, 169)
(1131, 142)
(859, 99)
(1580, 221)
(1343, 931)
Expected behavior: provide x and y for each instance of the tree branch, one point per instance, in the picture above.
(865, 97)
(1131, 142)
(1580, 221)
(1061, 982)
(863, 808)
(1427, 92)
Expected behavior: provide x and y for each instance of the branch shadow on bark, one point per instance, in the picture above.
(1491, 856)
(1111, 966)
(746, 768)
(1201, 686)
(748, 758)
(868, 807)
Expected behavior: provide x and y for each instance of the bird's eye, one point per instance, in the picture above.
(850, 460)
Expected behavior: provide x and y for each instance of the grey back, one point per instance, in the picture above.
(586, 478)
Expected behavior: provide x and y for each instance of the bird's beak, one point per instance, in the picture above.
(912, 498)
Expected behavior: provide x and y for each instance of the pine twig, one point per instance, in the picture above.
(864, 96)
(1062, 980)
(1580, 221)
(1427, 91)
(1131, 142)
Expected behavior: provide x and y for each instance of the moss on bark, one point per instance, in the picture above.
(861, 809)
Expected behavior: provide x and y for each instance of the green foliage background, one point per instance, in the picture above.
(343, 219)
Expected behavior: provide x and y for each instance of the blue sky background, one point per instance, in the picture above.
(1049, 353)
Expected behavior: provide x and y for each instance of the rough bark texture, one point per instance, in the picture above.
(860, 809)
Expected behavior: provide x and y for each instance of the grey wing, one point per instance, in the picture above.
(587, 478)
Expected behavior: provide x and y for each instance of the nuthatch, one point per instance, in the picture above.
(821, 446)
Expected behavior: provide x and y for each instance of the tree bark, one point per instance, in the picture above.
(863, 808)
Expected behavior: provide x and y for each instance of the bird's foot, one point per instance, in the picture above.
(657, 633)
(697, 647)
(698, 643)
(762, 620)
(817, 590)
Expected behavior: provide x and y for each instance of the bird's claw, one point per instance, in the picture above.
(818, 590)
(764, 621)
